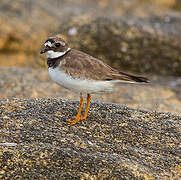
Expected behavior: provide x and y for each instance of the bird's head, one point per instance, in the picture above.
(55, 47)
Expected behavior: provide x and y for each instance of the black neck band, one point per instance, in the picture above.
(52, 62)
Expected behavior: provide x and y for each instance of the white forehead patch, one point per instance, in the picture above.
(48, 43)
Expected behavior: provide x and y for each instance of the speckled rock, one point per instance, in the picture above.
(139, 37)
(114, 142)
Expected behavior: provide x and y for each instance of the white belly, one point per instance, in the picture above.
(79, 85)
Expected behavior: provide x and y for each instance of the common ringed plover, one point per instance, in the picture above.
(82, 73)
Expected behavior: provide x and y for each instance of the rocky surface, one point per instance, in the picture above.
(114, 142)
(162, 94)
(133, 36)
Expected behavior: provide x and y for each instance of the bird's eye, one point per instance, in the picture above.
(57, 44)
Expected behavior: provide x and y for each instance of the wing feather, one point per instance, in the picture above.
(83, 66)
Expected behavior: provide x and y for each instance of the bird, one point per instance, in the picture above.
(82, 73)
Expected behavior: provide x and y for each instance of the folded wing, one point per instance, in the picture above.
(85, 66)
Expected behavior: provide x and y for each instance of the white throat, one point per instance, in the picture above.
(52, 54)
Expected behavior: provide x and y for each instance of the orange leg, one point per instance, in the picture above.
(87, 107)
(78, 117)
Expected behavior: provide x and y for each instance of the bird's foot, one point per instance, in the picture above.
(72, 122)
(83, 117)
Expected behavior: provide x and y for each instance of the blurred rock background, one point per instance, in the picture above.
(136, 36)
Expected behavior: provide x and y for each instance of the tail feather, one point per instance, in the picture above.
(140, 79)
(129, 77)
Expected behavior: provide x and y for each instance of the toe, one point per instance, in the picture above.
(71, 122)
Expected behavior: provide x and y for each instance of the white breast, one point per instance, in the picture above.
(79, 85)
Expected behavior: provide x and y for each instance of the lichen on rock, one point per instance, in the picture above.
(113, 142)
